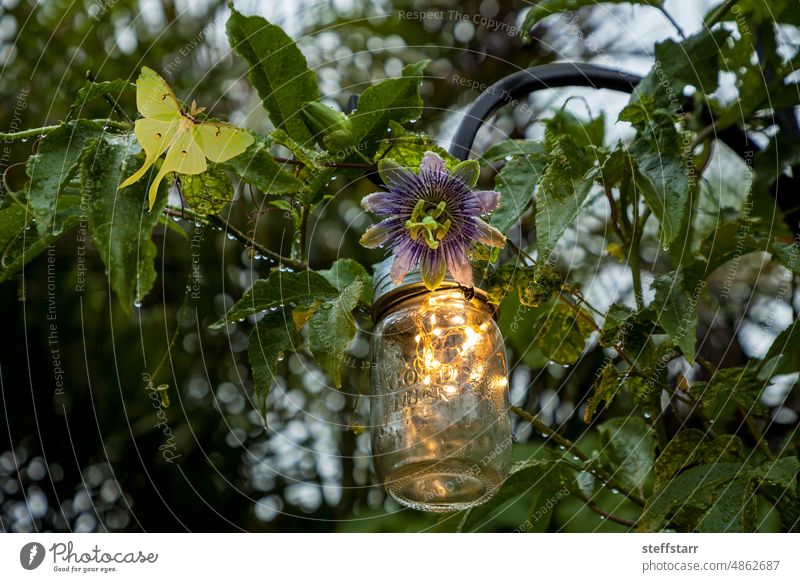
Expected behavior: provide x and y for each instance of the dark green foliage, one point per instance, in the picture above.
(278, 71)
(392, 100)
(119, 220)
(684, 448)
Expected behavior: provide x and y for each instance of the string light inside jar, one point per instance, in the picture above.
(441, 436)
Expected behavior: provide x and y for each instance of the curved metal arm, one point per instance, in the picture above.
(509, 89)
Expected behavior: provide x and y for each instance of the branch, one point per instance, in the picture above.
(605, 514)
(574, 450)
(187, 214)
(327, 164)
(615, 216)
(38, 132)
(107, 98)
(720, 12)
(672, 21)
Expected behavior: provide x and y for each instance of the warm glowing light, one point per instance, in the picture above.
(442, 437)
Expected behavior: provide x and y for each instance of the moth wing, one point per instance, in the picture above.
(154, 98)
(184, 157)
(155, 137)
(220, 142)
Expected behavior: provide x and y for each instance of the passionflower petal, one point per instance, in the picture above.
(431, 217)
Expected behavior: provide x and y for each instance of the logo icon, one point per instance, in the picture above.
(31, 555)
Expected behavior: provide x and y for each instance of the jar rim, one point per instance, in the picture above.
(388, 294)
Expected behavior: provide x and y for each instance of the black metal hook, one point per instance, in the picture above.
(522, 83)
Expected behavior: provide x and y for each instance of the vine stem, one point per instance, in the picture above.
(615, 221)
(573, 305)
(721, 12)
(327, 164)
(634, 260)
(672, 20)
(41, 131)
(187, 214)
(574, 450)
(609, 516)
(755, 432)
(175, 334)
(304, 231)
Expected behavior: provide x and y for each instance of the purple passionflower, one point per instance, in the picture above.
(431, 218)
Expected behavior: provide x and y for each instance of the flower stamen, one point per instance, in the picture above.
(426, 222)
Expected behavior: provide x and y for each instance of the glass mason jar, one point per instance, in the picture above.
(441, 434)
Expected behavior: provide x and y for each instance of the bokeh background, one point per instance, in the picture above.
(89, 455)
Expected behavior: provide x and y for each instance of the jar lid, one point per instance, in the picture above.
(388, 293)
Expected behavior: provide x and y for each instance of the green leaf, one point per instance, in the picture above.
(331, 328)
(692, 447)
(781, 472)
(630, 448)
(53, 166)
(257, 167)
(207, 193)
(331, 128)
(563, 189)
(676, 310)
(605, 389)
(395, 100)
(20, 244)
(614, 326)
(344, 272)
(693, 61)
(278, 71)
(519, 325)
(734, 509)
(756, 11)
(537, 283)
(120, 222)
(729, 389)
(662, 175)
(532, 479)
(787, 255)
(786, 350)
(407, 148)
(563, 333)
(512, 147)
(313, 175)
(516, 182)
(544, 8)
(689, 495)
(281, 288)
(583, 133)
(93, 90)
(269, 340)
